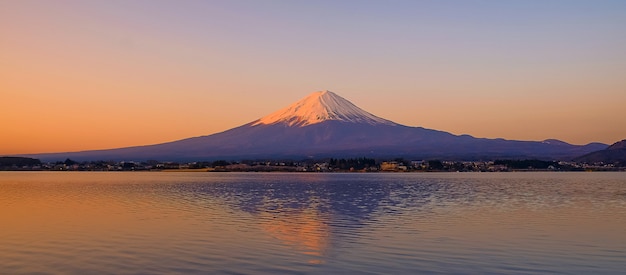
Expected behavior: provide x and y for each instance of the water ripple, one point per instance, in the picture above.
(267, 223)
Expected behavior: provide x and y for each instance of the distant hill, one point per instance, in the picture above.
(324, 125)
(11, 162)
(615, 153)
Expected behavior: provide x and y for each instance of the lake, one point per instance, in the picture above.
(312, 223)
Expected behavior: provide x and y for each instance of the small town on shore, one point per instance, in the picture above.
(325, 165)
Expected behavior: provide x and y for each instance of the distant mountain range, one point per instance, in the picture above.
(613, 154)
(323, 125)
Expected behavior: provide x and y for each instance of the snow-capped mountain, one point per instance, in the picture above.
(319, 107)
(324, 124)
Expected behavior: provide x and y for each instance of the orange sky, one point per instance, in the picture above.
(78, 75)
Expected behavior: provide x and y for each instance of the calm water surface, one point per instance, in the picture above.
(272, 223)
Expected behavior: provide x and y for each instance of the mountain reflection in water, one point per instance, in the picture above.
(304, 213)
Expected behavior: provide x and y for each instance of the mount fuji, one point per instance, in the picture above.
(324, 124)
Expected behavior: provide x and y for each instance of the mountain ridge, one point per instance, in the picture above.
(616, 153)
(324, 124)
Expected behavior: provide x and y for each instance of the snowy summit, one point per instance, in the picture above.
(318, 107)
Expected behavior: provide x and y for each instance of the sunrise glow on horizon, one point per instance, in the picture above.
(85, 75)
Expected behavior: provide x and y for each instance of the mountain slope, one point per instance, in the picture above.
(327, 125)
(615, 153)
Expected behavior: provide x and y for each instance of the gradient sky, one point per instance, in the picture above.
(80, 75)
